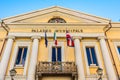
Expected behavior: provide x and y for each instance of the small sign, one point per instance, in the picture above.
(58, 30)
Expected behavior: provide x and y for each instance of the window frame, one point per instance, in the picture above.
(118, 50)
(13, 61)
(21, 55)
(91, 57)
(91, 43)
(57, 53)
(50, 45)
(117, 44)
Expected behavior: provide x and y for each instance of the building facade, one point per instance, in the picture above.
(59, 44)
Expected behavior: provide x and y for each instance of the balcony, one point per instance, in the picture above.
(56, 68)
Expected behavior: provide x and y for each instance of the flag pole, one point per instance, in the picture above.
(46, 41)
(55, 44)
(56, 54)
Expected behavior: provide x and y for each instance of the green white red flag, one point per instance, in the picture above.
(55, 39)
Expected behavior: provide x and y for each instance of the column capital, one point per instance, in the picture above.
(35, 37)
(101, 37)
(77, 37)
(10, 37)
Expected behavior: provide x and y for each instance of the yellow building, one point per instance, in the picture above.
(84, 44)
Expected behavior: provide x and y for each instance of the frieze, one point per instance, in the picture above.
(58, 30)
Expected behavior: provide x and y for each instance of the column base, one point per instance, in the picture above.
(31, 77)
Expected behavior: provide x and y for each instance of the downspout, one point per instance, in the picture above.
(3, 25)
(110, 48)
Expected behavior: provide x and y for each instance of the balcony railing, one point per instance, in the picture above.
(56, 68)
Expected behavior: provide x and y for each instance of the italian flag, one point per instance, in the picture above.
(55, 39)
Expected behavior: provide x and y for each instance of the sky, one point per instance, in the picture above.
(109, 9)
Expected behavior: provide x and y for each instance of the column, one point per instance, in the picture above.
(5, 57)
(107, 61)
(79, 61)
(33, 59)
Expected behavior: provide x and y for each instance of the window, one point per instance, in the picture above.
(118, 49)
(56, 54)
(91, 56)
(21, 55)
(56, 20)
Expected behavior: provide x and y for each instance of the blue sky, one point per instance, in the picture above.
(104, 8)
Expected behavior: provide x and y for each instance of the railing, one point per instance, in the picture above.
(56, 67)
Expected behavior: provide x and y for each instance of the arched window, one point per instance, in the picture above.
(56, 20)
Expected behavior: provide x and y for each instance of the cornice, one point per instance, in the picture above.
(19, 15)
(60, 35)
(83, 13)
(62, 24)
(35, 37)
(115, 22)
(57, 9)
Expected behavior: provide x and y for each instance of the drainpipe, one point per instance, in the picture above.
(110, 48)
(6, 28)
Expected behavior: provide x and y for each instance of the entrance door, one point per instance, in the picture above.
(56, 78)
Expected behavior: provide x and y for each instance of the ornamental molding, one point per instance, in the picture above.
(61, 35)
(77, 37)
(17, 77)
(61, 24)
(35, 37)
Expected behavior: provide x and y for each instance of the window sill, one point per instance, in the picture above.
(93, 65)
(19, 66)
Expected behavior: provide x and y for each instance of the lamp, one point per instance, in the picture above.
(12, 73)
(100, 73)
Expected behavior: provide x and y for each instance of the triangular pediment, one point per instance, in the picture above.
(44, 15)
